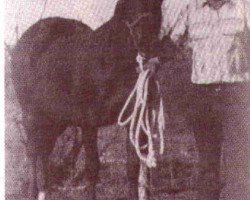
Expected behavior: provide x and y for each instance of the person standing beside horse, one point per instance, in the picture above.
(220, 86)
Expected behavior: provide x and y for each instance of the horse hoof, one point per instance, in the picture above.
(41, 196)
(90, 193)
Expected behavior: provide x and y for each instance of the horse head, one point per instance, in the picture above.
(143, 20)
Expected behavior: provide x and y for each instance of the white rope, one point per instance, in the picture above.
(141, 112)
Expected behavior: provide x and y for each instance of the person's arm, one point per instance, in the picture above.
(174, 18)
(173, 28)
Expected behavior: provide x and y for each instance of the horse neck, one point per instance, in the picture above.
(120, 46)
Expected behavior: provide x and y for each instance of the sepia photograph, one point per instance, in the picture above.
(126, 99)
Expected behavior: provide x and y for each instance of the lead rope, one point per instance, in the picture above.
(141, 112)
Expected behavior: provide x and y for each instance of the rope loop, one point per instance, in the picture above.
(139, 118)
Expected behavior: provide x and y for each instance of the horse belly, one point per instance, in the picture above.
(61, 101)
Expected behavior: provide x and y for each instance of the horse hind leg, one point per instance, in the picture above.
(49, 135)
(31, 153)
(40, 143)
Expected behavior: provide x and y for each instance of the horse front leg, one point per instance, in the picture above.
(92, 164)
(138, 174)
(31, 152)
(143, 181)
(133, 168)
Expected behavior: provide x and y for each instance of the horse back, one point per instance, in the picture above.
(83, 76)
(27, 75)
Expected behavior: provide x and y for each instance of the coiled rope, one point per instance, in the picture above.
(140, 114)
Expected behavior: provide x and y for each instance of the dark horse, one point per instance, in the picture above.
(66, 74)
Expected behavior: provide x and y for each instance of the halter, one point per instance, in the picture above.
(137, 19)
(133, 24)
(139, 120)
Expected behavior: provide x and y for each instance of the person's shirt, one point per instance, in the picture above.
(213, 36)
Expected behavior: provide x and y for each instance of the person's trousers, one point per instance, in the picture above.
(218, 115)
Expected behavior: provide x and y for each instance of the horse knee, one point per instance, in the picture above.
(92, 170)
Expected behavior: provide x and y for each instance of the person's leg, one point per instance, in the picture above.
(208, 136)
(236, 146)
(207, 128)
